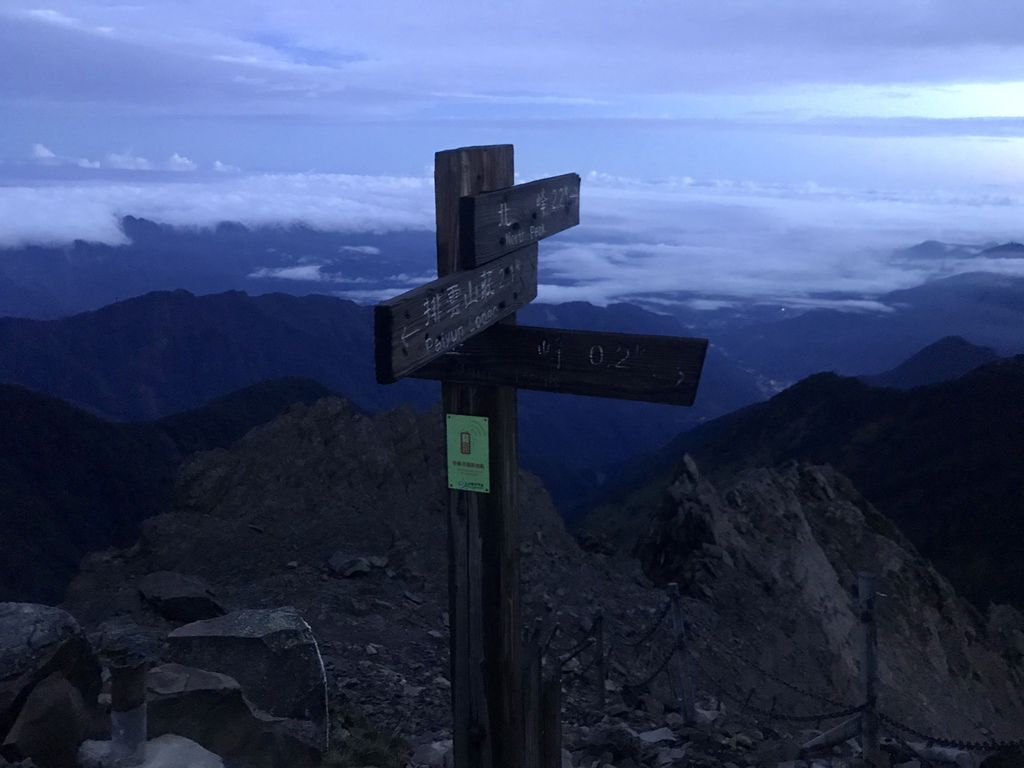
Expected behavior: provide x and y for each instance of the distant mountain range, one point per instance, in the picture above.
(71, 482)
(166, 352)
(984, 307)
(945, 461)
(46, 282)
(66, 470)
(945, 360)
(777, 345)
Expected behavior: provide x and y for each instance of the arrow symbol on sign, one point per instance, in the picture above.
(682, 376)
(405, 336)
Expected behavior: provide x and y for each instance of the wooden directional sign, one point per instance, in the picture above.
(424, 323)
(659, 369)
(449, 330)
(494, 223)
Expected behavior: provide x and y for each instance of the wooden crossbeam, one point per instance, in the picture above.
(626, 366)
(495, 223)
(419, 325)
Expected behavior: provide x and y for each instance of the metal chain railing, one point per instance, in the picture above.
(643, 683)
(992, 745)
(773, 714)
(821, 698)
(718, 655)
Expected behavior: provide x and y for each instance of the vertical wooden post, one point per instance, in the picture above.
(531, 691)
(869, 718)
(679, 666)
(551, 716)
(483, 552)
(600, 670)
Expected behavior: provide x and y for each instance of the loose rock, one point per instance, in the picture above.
(208, 708)
(179, 598)
(51, 725)
(37, 641)
(271, 653)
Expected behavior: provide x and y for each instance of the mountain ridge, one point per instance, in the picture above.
(71, 482)
(150, 356)
(942, 461)
(948, 358)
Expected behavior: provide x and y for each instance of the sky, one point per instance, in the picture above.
(751, 143)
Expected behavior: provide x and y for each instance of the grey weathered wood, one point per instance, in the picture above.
(551, 716)
(869, 668)
(482, 528)
(660, 369)
(495, 223)
(601, 665)
(679, 667)
(531, 693)
(422, 324)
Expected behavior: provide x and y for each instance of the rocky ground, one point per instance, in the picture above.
(339, 516)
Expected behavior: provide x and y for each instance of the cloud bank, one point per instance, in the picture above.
(92, 209)
(702, 242)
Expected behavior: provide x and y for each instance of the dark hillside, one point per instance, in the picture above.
(221, 422)
(71, 482)
(945, 462)
(168, 352)
(948, 358)
(163, 353)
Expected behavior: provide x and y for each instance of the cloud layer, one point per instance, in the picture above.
(702, 242)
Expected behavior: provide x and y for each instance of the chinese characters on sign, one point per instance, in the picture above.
(421, 324)
(497, 222)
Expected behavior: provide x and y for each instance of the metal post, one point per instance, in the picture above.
(869, 671)
(680, 664)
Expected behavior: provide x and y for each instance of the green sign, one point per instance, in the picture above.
(469, 458)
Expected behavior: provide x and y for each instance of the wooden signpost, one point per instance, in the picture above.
(498, 222)
(460, 329)
(656, 369)
(421, 324)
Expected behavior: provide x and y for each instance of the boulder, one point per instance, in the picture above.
(657, 735)
(208, 708)
(168, 751)
(179, 598)
(37, 641)
(346, 567)
(120, 643)
(271, 652)
(430, 755)
(50, 727)
(617, 739)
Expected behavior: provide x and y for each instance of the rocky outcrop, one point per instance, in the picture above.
(179, 598)
(767, 562)
(271, 653)
(49, 682)
(209, 708)
(262, 522)
(777, 555)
